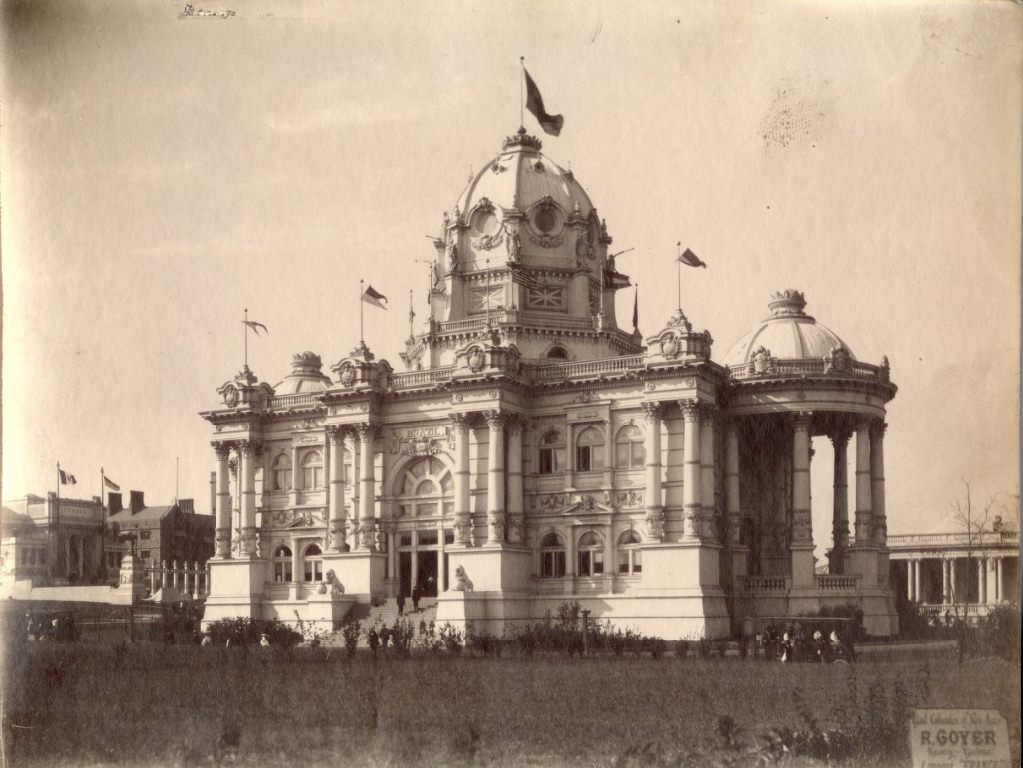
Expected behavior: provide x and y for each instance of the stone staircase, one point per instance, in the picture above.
(385, 613)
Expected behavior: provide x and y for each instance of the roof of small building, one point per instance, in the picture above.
(787, 334)
(146, 513)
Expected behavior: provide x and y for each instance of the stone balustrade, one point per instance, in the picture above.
(781, 369)
(765, 583)
(836, 582)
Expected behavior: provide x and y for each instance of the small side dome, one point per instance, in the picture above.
(788, 334)
(306, 375)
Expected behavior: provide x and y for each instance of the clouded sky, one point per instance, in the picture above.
(162, 173)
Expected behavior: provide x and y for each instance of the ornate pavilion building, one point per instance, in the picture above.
(534, 452)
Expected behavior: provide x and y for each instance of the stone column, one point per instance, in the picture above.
(367, 511)
(946, 590)
(864, 509)
(441, 544)
(733, 505)
(802, 526)
(392, 555)
(999, 580)
(336, 438)
(189, 579)
(515, 511)
(164, 576)
(708, 528)
(223, 535)
(654, 507)
(840, 509)
(296, 562)
(247, 470)
(295, 470)
(879, 523)
(691, 468)
(917, 589)
(495, 478)
(982, 580)
(463, 512)
(909, 580)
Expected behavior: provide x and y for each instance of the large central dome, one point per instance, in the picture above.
(522, 176)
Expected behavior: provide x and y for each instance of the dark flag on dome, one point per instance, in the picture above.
(534, 103)
(374, 297)
(615, 280)
(690, 259)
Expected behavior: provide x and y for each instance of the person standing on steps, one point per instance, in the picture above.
(401, 602)
(415, 598)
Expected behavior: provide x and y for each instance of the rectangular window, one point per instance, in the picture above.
(313, 570)
(405, 539)
(427, 538)
(552, 565)
(282, 571)
(24, 557)
(637, 561)
(598, 563)
(584, 563)
(588, 458)
(546, 461)
(623, 455)
(449, 537)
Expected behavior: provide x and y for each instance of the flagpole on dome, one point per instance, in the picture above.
(522, 95)
(678, 264)
(245, 333)
(362, 293)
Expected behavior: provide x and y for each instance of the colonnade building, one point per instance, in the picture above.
(533, 452)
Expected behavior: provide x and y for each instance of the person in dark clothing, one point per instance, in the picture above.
(415, 598)
(401, 603)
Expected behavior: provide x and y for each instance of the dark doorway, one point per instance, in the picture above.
(405, 573)
(428, 573)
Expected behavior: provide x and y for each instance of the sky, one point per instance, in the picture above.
(159, 174)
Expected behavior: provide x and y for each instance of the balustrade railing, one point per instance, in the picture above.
(977, 539)
(410, 379)
(280, 402)
(765, 583)
(828, 582)
(789, 368)
(588, 368)
(191, 580)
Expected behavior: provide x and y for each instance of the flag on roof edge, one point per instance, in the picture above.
(534, 103)
(374, 297)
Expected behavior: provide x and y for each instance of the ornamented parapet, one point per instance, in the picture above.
(677, 340)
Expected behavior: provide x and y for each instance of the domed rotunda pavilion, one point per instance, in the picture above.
(533, 452)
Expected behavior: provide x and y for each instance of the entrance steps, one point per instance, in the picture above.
(384, 614)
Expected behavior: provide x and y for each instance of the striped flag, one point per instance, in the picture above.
(525, 280)
(534, 103)
(108, 483)
(66, 478)
(374, 297)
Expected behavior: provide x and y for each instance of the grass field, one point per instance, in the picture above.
(85, 704)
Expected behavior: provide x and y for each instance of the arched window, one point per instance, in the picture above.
(590, 555)
(552, 453)
(589, 450)
(425, 489)
(280, 472)
(552, 557)
(312, 560)
(629, 450)
(282, 565)
(557, 353)
(312, 470)
(630, 556)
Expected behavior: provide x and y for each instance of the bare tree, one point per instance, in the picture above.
(974, 520)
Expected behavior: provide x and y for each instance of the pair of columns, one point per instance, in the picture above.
(697, 470)
(504, 479)
(871, 525)
(249, 449)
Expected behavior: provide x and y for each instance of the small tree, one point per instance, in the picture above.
(974, 520)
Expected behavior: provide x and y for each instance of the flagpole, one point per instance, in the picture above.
(55, 532)
(362, 335)
(245, 333)
(411, 315)
(522, 98)
(488, 292)
(678, 264)
(103, 514)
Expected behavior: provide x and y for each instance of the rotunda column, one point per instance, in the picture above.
(463, 513)
(336, 438)
(840, 506)
(946, 581)
(863, 485)
(367, 511)
(708, 528)
(982, 580)
(733, 503)
(223, 534)
(691, 468)
(917, 587)
(879, 521)
(802, 525)
(515, 511)
(249, 448)
(654, 508)
(495, 478)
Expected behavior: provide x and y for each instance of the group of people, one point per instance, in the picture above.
(792, 643)
(417, 595)
(46, 627)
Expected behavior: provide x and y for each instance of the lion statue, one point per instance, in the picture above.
(332, 582)
(462, 582)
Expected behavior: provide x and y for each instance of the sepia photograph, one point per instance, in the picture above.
(496, 384)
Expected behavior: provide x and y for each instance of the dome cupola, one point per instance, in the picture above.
(306, 375)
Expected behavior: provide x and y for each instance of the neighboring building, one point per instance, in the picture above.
(950, 572)
(166, 535)
(52, 541)
(538, 451)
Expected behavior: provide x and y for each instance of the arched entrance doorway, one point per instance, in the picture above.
(424, 502)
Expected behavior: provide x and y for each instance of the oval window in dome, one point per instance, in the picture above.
(485, 222)
(545, 220)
